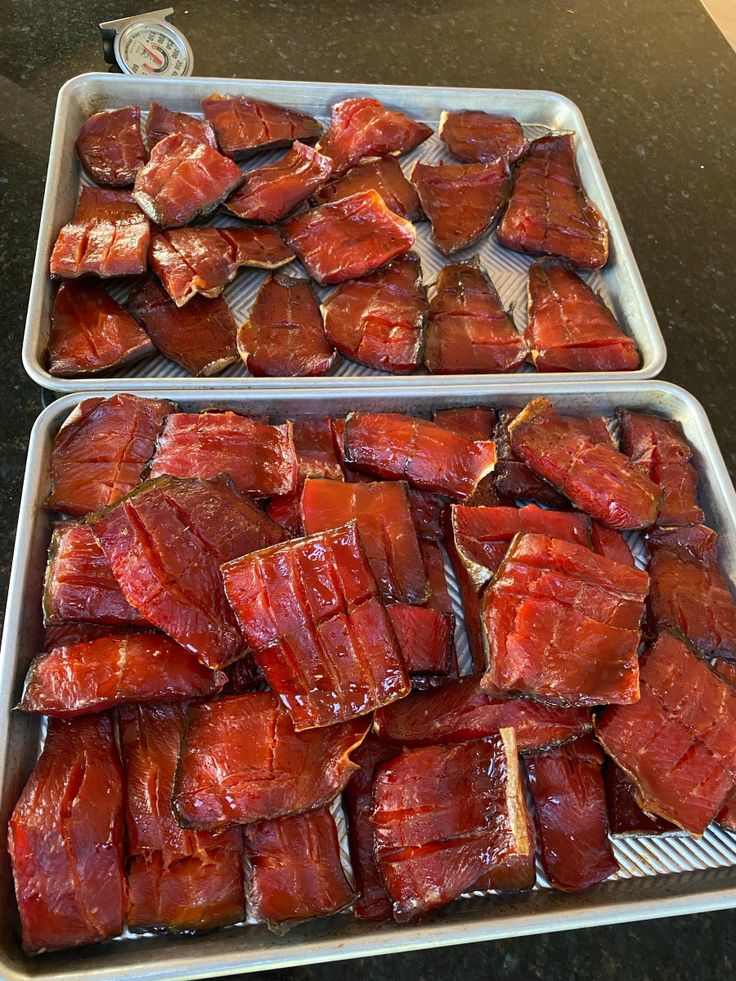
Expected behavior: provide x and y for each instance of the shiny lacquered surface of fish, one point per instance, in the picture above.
(468, 329)
(570, 328)
(259, 458)
(372, 902)
(678, 743)
(79, 584)
(295, 869)
(594, 476)
(120, 667)
(383, 175)
(108, 236)
(461, 200)
(625, 817)
(162, 122)
(434, 567)
(271, 192)
(242, 761)
(348, 238)
(549, 212)
(386, 530)
(445, 815)
(379, 320)
(178, 879)
(199, 336)
(514, 480)
(65, 838)
(476, 422)
(399, 447)
(203, 260)
(111, 147)
(362, 128)
(563, 624)
(284, 333)
(101, 451)
(312, 616)
(90, 332)
(570, 809)
(480, 137)
(424, 636)
(689, 592)
(245, 126)
(165, 543)
(659, 449)
(184, 179)
(461, 710)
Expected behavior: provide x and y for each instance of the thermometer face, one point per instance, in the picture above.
(153, 49)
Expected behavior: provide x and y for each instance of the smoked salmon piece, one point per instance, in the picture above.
(295, 869)
(349, 238)
(445, 815)
(178, 879)
(162, 122)
(242, 761)
(372, 902)
(66, 839)
(611, 544)
(563, 624)
(461, 710)
(594, 476)
(480, 137)
(477, 540)
(514, 480)
(101, 451)
(108, 236)
(364, 127)
(74, 679)
(61, 634)
(426, 511)
(549, 212)
(383, 175)
(570, 328)
(385, 526)
(183, 180)
(204, 260)
(199, 336)
(689, 592)
(79, 584)
(462, 201)
(434, 567)
(379, 320)
(424, 636)
(468, 330)
(258, 457)
(399, 447)
(111, 147)
(476, 422)
(515, 873)
(90, 332)
(625, 817)
(678, 742)
(311, 614)
(245, 126)
(284, 333)
(271, 192)
(165, 543)
(570, 808)
(658, 448)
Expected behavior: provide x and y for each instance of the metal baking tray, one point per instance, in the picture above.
(619, 283)
(659, 876)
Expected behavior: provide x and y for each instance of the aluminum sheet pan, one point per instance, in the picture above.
(619, 283)
(659, 876)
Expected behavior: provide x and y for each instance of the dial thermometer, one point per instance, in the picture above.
(147, 45)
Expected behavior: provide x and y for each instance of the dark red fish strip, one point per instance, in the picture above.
(162, 122)
(434, 567)
(242, 761)
(479, 137)
(611, 544)
(594, 476)
(271, 192)
(476, 422)
(101, 451)
(549, 212)
(383, 175)
(90, 332)
(570, 810)
(65, 839)
(424, 636)
(295, 869)
(111, 147)
(311, 614)
(514, 480)
(659, 449)
(245, 126)
(625, 817)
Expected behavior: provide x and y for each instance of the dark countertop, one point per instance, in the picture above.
(656, 82)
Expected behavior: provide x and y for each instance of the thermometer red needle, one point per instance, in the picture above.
(152, 54)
